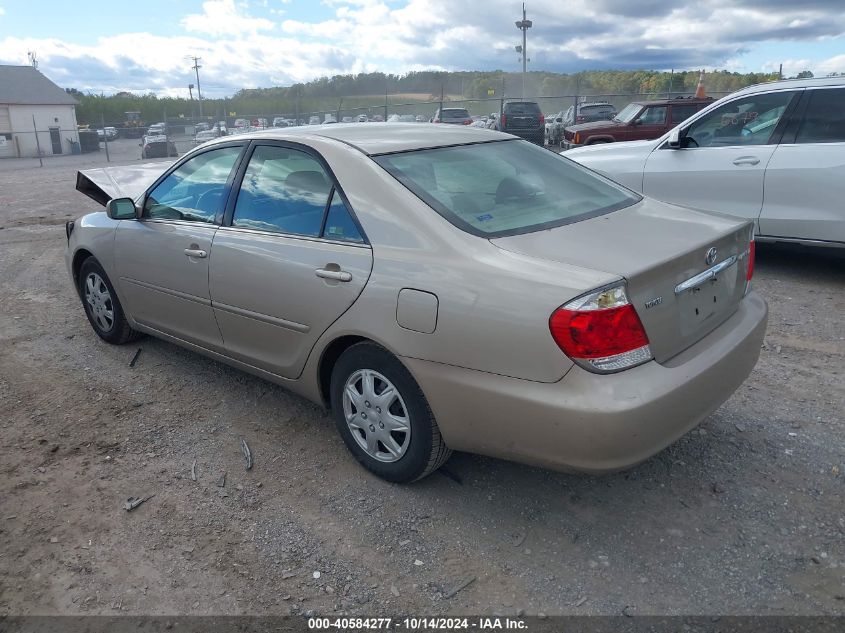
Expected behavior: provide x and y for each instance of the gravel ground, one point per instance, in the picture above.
(744, 515)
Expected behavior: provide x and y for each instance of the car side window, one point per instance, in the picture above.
(748, 121)
(824, 119)
(195, 191)
(339, 222)
(654, 115)
(681, 113)
(284, 190)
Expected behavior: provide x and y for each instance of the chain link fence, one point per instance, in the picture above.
(137, 139)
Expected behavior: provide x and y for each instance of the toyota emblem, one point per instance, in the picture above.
(710, 255)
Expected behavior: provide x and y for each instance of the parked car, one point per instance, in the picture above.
(314, 120)
(347, 119)
(362, 118)
(157, 129)
(280, 121)
(771, 153)
(241, 123)
(455, 116)
(206, 135)
(157, 146)
(329, 118)
(616, 323)
(523, 119)
(640, 120)
(202, 126)
(587, 112)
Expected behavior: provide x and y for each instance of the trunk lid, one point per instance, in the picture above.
(657, 247)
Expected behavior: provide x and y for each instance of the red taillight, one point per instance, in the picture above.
(504, 120)
(436, 121)
(601, 331)
(542, 119)
(467, 121)
(750, 272)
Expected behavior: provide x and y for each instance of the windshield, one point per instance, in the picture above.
(455, 113)
(505, 187)
(628, 113)
(522, 107)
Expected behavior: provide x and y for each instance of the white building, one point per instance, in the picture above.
(26, 94)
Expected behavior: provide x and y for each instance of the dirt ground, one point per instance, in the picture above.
(745, 515)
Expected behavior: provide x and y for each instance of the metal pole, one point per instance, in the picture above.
(441, 100)
(105, 136)
(37, 143)
(671, 78)
(199, 90)
(523, 25)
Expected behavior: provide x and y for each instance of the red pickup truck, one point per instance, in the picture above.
(638, 121)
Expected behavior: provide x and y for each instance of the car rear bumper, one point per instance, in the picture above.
(589, 422)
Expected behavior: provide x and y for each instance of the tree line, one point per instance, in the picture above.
(376, 89)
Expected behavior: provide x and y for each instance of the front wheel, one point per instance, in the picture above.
(102, 307)
(383, 416)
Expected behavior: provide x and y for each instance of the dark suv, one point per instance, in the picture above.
(523, 119)
(637, 121)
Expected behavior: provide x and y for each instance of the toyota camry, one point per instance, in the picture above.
(437, 288)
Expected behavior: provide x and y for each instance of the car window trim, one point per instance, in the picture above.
(241, 172)
(190, 155)
(293, 236)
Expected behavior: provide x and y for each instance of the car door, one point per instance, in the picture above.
(723, 158)
(805, 178)
(162, 258)
(650, 123)
(288, 261)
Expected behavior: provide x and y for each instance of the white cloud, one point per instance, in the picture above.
(241, 50)
(222, 18)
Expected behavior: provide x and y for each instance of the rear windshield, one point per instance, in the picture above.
(522, 107)
(598, 108)
(455, 113)
(505, 187)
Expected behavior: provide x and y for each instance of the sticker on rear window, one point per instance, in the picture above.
(484, 218)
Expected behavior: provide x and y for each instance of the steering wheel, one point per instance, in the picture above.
(209, 200)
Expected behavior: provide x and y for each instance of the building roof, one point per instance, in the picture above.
(25, 85)
(381, 138)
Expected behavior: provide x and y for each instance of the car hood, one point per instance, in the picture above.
(604, 124)
(126, 181)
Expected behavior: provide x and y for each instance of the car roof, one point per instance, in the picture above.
(675, 101)
(785, 84)
(374, 139)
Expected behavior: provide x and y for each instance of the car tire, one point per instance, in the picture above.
(102, 307)
(372, 427)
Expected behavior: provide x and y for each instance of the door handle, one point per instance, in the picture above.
(746, 160)
(336, 275)
(195, 252)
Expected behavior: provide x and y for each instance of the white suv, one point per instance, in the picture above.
(773, 153)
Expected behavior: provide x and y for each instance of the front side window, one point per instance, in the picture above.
(196, 190)
(654, 115)
(824, 120)
(504, 188)
(748, 121)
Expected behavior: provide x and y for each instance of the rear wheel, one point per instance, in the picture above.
(102, 307)
(383, 416)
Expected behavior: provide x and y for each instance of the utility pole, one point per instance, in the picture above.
(523, 25)
(196, 68)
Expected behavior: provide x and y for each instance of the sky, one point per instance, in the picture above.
(107, 47)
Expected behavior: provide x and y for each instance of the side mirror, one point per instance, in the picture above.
(674, 140)
(121, 209)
